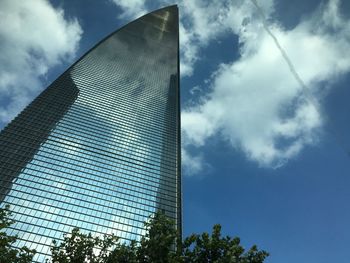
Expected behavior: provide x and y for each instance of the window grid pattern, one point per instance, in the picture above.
(99, 148)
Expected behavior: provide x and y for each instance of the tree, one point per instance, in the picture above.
(78, 247)
(214, 248)
(161, 241)
(156, 246)
(159, 245)
(9, 254)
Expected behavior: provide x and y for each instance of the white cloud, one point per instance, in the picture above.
(255, 103)
(191, 164)
(200, 22)
(188, 51)
(131, 8)
(204, 21)
(34, 37)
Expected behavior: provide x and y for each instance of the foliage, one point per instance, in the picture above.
(8, 254)
(214, 248)
(160, 241)
(78, 247)
(161, 244)
(156, 246)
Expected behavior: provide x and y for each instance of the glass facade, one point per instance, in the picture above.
(99, 149)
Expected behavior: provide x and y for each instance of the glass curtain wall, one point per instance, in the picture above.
(99, 149)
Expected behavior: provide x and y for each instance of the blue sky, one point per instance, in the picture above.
(266, 146)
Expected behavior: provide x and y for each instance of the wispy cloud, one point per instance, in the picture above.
(200, 22)
(131, 8)
(191, 164)
(34, 37)
(255, 103)
(261, 103)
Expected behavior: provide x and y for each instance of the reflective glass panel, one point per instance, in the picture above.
(99, 148)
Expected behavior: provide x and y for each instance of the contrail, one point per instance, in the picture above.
(285, 56)
(291, 67)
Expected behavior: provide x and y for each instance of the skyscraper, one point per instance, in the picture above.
(99, 149)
